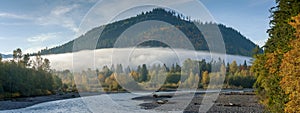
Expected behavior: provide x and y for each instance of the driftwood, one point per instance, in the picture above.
(233, 105)
(162, 96)
(161, 101)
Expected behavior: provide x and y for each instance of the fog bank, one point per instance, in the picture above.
(132, 57)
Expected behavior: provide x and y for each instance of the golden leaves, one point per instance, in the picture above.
(290, 70)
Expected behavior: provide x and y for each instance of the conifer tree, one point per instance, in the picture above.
(290, 66)
(266, 66)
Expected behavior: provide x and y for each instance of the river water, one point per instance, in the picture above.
(121, 103)
(106, 103)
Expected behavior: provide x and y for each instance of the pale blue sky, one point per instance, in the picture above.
(35, 24)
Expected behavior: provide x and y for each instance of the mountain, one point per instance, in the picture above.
(7, 56)
(236, 44)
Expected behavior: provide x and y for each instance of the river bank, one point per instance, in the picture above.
(18, 103)
(234, 102)
(228, 101)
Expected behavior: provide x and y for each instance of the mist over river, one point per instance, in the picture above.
(132, 57)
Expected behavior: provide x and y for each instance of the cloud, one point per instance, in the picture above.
(89, 1)
(42, 37)
(35, 49)
(12, 23)
(255, 3)
(60, 16)
(260, 42)
(62, 10)
(14, 16)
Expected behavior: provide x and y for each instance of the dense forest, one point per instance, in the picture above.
(192, 74)
(274, 73)
(25, 77)
(277, 69)
(112, 31)
(22, 77)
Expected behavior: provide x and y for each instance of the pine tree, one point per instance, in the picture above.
(144, 73)
(290, 66)
(266, 66)
(17, 55)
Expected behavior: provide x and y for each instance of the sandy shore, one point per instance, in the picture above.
(226, 103)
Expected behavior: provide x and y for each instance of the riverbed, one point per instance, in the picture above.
(227, 101)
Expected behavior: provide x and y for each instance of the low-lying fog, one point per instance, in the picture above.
(132, 57)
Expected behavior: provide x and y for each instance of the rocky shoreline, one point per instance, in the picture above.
(236, 102)
(233, 102)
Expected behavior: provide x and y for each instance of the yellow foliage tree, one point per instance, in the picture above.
(205, 79)
(101, 78)
(112, 83)
(290, 70)
(134, 75)
(233, 68)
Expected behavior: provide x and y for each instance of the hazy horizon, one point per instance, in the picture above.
(138, 56)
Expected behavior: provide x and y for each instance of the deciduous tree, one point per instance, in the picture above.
(290, 70)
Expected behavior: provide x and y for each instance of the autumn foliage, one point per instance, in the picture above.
(290, 70)
(274, 67)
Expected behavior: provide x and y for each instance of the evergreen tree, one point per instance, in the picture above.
(177, 68)
(127, 70)
(144, 73)
(106, 71)
(17, 55)
(17, 80)
(245, 66)
(290, 71)
(119, 68)
(172, 69)
(26, 60)
(266, 66)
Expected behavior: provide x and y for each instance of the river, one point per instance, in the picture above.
(106, 103)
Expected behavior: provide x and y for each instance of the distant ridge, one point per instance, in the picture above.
(7, 56)
(236, 44)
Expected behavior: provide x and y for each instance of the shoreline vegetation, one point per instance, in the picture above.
(25, 81)
(274, 73)
(277, 69)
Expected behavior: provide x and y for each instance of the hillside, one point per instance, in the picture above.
(7, 56)
(112, 31)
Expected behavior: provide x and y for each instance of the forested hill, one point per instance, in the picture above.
(235, 43)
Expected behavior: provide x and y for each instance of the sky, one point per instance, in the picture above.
(33, 25)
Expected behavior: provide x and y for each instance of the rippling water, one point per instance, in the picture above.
(106, 103)
(121, 103)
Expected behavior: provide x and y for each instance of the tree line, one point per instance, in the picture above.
(111, 32)
(277, 69)
(192, 74)
(23, 77)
